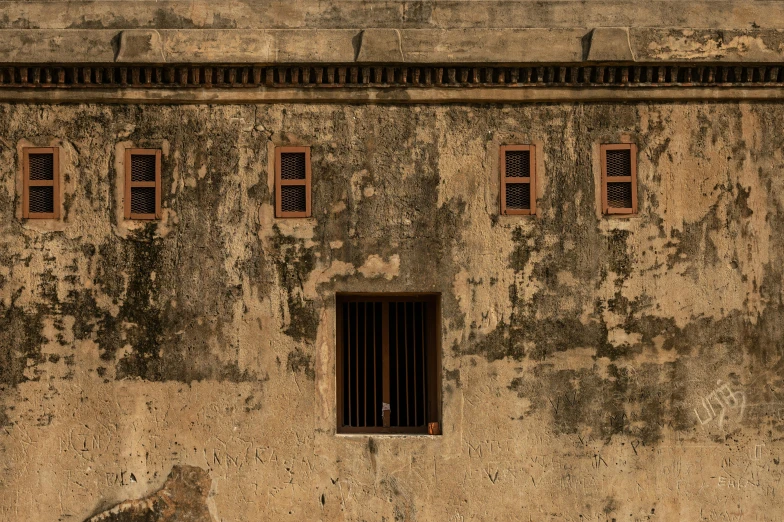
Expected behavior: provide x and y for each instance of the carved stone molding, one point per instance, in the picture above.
(599, 76)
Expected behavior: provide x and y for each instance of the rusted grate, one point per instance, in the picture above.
(40, 183)
(387, 378)
(41, 167)
(292, 182)
(142, 184)
(143, 167)
(41, 200)
(619, 195)
(619, 178)
(619, 163)
(518, 179)
(293, 198)
(143, 200)
(518, 196)
(518, 164)
(292, 165)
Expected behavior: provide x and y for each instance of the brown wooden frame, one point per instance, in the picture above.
(518, 181)
(27, 183)
(433, 371)
(135, 184)
(280, 182)
(606, 209)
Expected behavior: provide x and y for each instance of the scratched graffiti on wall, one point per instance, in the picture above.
(719, 402)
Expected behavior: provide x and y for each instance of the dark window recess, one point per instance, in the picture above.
(41, 200)
(292, 165)
(143, 167)
(518, 195)
(388, 360)
(619, 195)
(143, 200)
(518, 163)
(619, 179)
(293, 198)
(41, 167)
(619, 163)
(518, 180)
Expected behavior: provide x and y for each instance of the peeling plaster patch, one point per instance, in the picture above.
(687, 48)
(336, 269)
(182, 497)
(376, 267)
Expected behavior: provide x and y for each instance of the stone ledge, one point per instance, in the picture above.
(388, 96)
(415, 46)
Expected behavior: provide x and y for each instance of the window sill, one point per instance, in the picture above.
(386, 435)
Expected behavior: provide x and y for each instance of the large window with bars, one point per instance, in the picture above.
(518, 179)
(41, 183)
(142, 184)
(619, 178)
(388, 363)
(292, 182)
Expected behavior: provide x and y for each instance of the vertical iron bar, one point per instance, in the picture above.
(416, 410)
(348, 362)
(405, 348)
(356, 358)
(424, 367)
(385, 360)
(375, 373)
(397, 360)
(365, 377)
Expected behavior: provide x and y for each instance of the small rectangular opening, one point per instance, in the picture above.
(518, 179)
(619, 178)
(142, 184)
(388, 363)
(41, 183)
(292, 182)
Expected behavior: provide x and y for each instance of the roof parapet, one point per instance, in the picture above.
(399, 46)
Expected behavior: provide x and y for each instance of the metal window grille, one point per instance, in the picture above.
(518, 179)
(388, 364)
(619, 178)
(41, 183)
(292, 182)
(142, 184)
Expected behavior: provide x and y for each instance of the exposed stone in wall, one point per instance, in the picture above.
(624, 368)
(183, 498)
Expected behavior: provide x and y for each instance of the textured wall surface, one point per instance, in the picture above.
(324, 14)
(593, 368)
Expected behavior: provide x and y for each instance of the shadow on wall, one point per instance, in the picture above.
(182, 497)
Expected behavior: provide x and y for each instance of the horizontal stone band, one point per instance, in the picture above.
(389, 76)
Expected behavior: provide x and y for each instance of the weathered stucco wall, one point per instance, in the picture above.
(578, 350)
(239, 14)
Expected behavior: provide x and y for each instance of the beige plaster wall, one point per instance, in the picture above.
(579, 352)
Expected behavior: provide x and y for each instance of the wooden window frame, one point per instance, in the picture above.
(27, 183)
(433, 413)
(606, 209)
(139, 184)
(279, 182)
(531, 180)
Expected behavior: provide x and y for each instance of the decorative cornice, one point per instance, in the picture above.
(386, 76)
